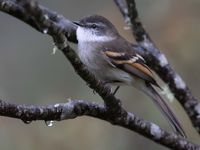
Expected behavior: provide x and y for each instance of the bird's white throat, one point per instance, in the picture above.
(88, 35)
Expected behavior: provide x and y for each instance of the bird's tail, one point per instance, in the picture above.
(165, 109)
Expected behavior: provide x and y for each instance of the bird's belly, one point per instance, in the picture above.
(114, 76)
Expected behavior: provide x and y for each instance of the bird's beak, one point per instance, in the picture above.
(77, 23)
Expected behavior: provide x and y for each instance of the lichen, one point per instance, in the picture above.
(197, 109)
(155, 131)
(163, 60)
(180, 84)
(68, 111)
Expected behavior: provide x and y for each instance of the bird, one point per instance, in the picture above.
(114, 61)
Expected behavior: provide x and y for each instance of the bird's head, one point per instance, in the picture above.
(95, 28)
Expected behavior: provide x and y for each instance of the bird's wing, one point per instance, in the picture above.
(131, 63)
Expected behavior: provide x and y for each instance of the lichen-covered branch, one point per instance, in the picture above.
(61, 30)
(159, 63)
(61, 111)
(76, 108)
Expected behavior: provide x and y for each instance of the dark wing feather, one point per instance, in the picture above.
(133, 64)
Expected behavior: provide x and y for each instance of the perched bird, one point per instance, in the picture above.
(112, 59)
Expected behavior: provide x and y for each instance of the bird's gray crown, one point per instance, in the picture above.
(97, 23)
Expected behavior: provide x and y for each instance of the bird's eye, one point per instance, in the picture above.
(94, 26)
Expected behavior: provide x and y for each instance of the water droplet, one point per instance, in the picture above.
(56, 105)
(45, 31)
(55, 48)
(27, 121)
(49, 123)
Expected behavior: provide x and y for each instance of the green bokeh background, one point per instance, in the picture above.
(30, 74)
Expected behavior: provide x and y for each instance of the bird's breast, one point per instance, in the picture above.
(90, 55)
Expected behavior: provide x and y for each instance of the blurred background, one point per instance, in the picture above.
(31, 74)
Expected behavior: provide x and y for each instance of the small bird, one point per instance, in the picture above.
(112, 59)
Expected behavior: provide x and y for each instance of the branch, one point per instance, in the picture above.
(159, 63)
(58, 112)
(75, 108)
(59, 28)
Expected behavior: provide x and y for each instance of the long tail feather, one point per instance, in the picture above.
(165, 109)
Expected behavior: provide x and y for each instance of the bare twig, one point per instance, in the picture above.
(159, 63)
(59, 28)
